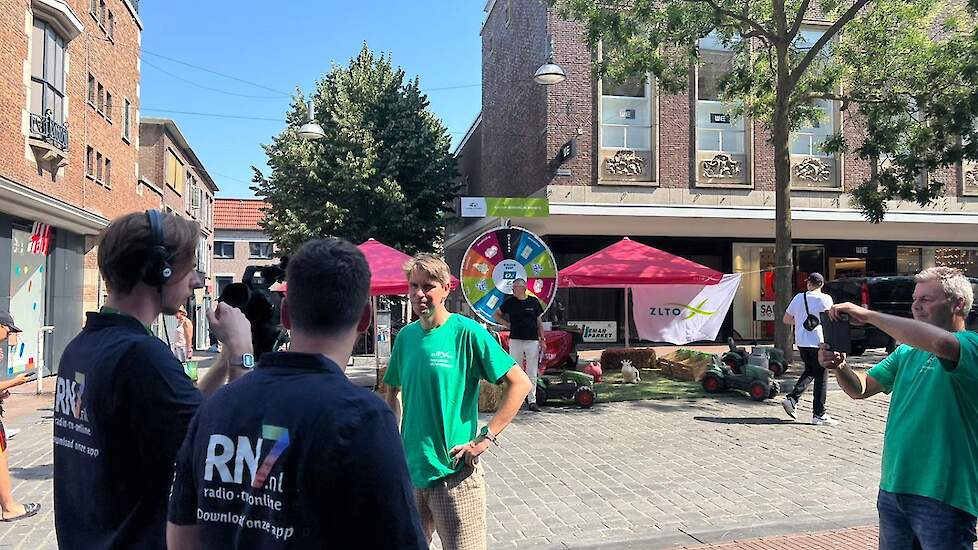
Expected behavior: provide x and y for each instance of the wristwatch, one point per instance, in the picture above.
(486, 434)
(246, 360)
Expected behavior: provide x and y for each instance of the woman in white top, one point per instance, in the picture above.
(183, 337)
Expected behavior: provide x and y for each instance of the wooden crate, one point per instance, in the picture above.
(683, 366)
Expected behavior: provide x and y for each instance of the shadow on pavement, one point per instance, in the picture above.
(751, 420)
(41, 471)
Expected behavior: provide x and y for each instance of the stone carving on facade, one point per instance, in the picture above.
(625, 163)
(813, 169)
(971, 180)
(721, 166)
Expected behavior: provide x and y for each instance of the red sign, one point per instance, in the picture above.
(40, 238)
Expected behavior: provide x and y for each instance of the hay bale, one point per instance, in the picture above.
(490, 396)
(683, 364)
(640, 358)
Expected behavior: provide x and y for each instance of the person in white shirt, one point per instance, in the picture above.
(803, 312)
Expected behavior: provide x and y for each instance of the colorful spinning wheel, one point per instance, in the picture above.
(499, 257)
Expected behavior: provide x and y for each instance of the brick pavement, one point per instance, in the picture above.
(858, 538)
(650, 474)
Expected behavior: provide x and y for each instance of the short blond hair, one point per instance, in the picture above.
(432, 265)
(954, 283)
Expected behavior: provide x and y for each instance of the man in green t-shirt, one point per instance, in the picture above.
(437, 363)
(928, 495)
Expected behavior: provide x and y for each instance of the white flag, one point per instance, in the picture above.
(680, 314)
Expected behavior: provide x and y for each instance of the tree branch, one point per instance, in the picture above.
(743, 18)
(846, 100)
(796, 26)
(823, 40)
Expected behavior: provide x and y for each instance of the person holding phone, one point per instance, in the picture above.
(928, 495)
(10, 509)
(803, 312)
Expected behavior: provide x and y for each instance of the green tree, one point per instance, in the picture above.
(384, 169)
(905, 68)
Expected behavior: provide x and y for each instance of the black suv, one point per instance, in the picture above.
(891, 294)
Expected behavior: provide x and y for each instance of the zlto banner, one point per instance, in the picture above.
(680, 314)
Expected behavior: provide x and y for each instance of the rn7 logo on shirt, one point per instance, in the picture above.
(68, 397)
(221, 450)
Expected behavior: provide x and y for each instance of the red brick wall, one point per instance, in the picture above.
(115, 65)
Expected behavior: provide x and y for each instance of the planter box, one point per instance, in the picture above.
(685, 365)
(640, 358)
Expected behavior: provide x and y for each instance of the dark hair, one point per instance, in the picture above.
(328, 286)
(124, 248)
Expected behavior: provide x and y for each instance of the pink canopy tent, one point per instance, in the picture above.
(628, 263)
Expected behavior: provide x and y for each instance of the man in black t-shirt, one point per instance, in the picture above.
(522, 314)
(295, 455)
(122, 400)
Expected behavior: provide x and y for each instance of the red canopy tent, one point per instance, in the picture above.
(628, 263)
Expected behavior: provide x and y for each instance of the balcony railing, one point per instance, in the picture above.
(47, 129)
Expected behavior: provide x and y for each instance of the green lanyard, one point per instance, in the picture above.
(106, 310)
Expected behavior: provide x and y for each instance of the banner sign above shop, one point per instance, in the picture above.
(505, 207)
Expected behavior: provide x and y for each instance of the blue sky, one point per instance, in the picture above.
(290, 43)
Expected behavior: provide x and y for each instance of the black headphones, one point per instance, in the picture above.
(156, 269)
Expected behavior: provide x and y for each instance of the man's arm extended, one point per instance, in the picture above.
(917, 334)
(857, 385)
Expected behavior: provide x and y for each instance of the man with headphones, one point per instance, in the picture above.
(122, 401)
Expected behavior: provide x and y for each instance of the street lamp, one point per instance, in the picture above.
(550, 72)
(311, 130)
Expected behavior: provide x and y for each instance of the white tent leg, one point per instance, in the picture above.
(626, 317)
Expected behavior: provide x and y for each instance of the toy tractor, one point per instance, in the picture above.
(736, 358)
(752, 377)
(569, 385)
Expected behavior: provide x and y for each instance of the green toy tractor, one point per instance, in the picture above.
(751, 377)
(568, 385)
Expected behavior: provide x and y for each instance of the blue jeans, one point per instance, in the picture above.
(911, 522)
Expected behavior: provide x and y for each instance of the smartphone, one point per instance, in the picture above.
(31, 376)
(836, 333)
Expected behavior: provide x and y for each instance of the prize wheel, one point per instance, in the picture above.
(497, 258)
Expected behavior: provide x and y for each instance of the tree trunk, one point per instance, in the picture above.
(783, 257)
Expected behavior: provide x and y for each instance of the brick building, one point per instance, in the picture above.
(678, 172)
(238, 240)
(69, 103)
(169, 166)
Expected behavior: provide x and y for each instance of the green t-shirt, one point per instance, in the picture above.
(438, 372)
(931, 443)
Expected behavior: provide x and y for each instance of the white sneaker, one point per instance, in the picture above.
(789, 407)
(824, 420)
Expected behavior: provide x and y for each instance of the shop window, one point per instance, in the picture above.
(909, 260)
(721, 139)
(965, 259)
(626, 130)
(47, 72)
(262, 251)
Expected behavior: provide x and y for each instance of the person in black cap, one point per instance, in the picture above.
(803, 312)
(11, 509)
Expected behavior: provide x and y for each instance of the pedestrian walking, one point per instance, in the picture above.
(803, 312)
(523, 316)
(437, 363)
(308, 459)
(183, 337)
(928, 495)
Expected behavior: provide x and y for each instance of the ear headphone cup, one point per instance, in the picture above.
(157, 270)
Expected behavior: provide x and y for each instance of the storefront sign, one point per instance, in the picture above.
(40, 238)
(568, 151)
(597, 331)
(763, 311)
(719, 118)
(505, 207)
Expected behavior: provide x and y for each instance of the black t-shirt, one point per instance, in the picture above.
(522, 316)
(295, 456)
(122, 405)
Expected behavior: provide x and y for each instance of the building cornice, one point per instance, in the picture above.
(60, 16)
(24, 202)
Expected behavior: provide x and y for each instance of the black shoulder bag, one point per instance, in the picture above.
(811, 322)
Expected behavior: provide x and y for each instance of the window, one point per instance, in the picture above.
(190, 191)
(98, 166)
(89, 161)
(811, 166)
(91, 90)
(126, 120)
(101, 13)
(108, 173)
(108, 105)
(721, 139)
(626, 129)
(965, 259)
(110, 31)
(93, 8)
(100, 100)
(47, 72)
(909, 260)
(224, 250)
(174, 172)
(260, 250)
